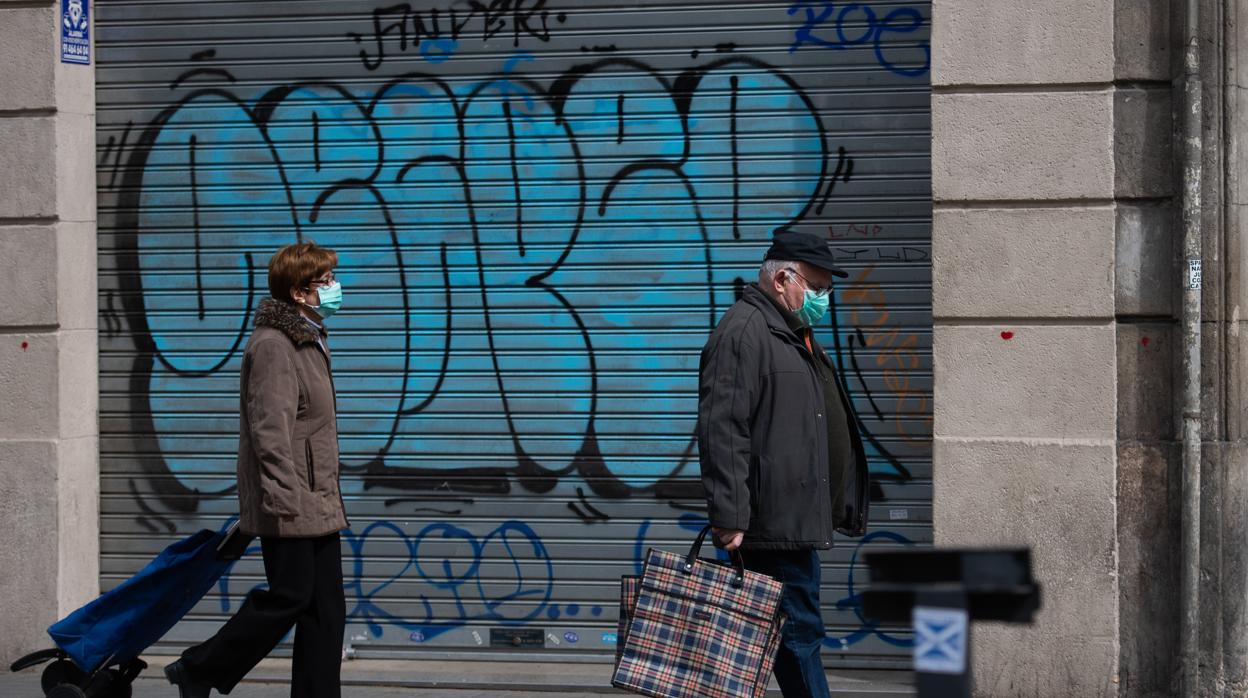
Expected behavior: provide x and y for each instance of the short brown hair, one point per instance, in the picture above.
(297, 266)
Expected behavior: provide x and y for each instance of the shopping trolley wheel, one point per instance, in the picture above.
(120, 680)
(59, 673)
(66, 690)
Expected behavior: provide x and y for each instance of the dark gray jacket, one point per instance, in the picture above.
(763, 439)
(288, 430)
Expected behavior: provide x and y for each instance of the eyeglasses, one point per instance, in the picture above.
(326, 280)
(818, 291)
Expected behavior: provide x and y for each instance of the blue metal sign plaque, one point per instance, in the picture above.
(75, 32)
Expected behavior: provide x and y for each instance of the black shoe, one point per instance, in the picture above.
(187, 687)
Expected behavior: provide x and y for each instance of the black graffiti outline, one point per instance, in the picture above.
(170, 490)
(112, 323)
(121, 149)
(853, 359)
(903, 473)
(149, 514)
(844, 172)
(588, 460)
(590, 514)
(493, 17)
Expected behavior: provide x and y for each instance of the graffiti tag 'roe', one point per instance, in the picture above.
(836, 27)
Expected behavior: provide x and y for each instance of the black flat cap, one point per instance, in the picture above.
(792, 246)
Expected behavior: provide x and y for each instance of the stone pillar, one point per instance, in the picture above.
(49, 366)
(1147, 301)
(1234, 563)
(1025, 186)
(1224, 486)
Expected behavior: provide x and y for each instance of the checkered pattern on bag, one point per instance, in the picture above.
(711, 583)
(628, 601)
(696, 635)
(769, 654)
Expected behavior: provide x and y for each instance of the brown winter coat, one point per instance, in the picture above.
(288, 432)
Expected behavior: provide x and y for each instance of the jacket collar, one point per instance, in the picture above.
(771, 312)
(777, 321)
(287, 318)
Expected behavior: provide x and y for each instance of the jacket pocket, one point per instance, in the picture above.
(307, 449)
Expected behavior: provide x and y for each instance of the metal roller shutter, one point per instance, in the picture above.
(541, 208)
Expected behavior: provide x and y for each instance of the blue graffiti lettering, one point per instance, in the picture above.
(505, 577)
(874, 31)
(853, 601)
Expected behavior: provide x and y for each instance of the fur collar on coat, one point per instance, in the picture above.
(287, 318)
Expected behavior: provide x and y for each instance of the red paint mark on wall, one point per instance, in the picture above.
(25, 346)
(1007, 335)
(1144, 341)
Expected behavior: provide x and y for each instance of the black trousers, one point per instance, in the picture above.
(305, 591)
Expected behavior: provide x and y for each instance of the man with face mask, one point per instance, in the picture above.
(782, 463)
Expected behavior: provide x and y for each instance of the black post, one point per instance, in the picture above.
(940, 591)
(942, 642)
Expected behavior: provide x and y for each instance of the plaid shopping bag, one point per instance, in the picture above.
(628, 602)
(694, 628)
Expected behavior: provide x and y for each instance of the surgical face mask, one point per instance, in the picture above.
(331, 299)
(814, 304)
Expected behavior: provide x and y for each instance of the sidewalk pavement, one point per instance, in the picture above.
(424, 678)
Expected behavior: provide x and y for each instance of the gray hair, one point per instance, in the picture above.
(770, 268)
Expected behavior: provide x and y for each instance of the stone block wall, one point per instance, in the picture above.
(49, 366)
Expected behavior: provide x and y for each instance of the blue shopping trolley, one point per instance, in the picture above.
(98, 646)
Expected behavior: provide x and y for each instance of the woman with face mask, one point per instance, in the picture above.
(288, 489)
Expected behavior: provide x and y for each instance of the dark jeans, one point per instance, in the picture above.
(305, 591)
(799, 666)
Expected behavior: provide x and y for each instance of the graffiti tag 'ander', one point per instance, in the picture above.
(519, 18)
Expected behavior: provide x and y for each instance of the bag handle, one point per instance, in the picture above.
(738, 563)
(233, 543)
